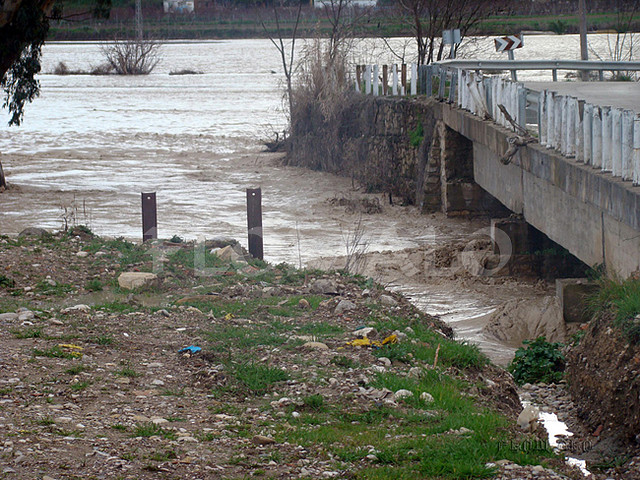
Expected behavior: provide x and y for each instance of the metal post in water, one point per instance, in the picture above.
(149, 216)
(254, 222)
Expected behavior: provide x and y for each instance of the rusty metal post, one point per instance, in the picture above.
(403, 79)
(149, 217)
(254, 222)
(385, 79)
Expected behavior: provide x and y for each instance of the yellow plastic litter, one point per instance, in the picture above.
(71, 349)
(228, 317)
(366, 342)
(390, 339)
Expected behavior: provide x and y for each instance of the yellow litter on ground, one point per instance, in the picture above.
(366, 342)
(71, 349)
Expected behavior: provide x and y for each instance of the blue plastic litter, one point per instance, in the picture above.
(191, 349)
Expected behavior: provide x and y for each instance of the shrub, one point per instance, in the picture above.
(132, 57)
(538, 361)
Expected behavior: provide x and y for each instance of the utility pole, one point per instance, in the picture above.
(139, 20)
(584, 52)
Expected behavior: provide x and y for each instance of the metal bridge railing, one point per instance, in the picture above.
(607, 138)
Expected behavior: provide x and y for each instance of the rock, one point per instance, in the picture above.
(368, 332)
(33, 231)
(77, 308)
(372, 457)
(132, 280)
(230, 254)
(528, 418)
(159, 420)
(400, 394)
(344, 306)
(50, 281)
(385, 361)
(426, 397)
(295, 414)
(262, 440)
(8, 317)
(402, 337)
(304, 304)
(315, 346)
(63, 420)
(388, 300)
(324, 286)
(378, 368)
(82, 254)
(164, 313)
(415, 372)
(409, 331)
(157, 382)
(25, 316)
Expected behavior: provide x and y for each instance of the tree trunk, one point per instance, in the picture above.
(3, 183)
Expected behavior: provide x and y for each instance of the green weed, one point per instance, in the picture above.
(538, 361)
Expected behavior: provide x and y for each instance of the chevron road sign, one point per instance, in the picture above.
(510, 42)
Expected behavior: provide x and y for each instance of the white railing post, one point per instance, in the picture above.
(579, 129)
(627, 145)
(616, 142)
(558, 100)
(521, 93)
(367, 80)
(414, 79)
(463, 90)
(551, 119)
(636, 150)
(572, 107)
(587, 122)
(564, 133)
(596, 131)
(542, 117)
(394, 74)
(606, 139)
(376, 80)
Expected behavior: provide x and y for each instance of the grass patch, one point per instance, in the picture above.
(538, 361)
(28, 333)
(257, 379)
(127, 371)
(344, 361)
(94, 285)
(57, 290)
(79, 386)
(54, 352)
(320, 329)
(150, 429)
(622, 298)
(451, 353)
(417, 440)
(76, 369)
(102, 340)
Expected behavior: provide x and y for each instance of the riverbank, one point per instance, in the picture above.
(266, 383)
(236, 24)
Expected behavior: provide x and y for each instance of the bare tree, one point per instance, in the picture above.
(287, 52)
(132, 57)
(429, 18)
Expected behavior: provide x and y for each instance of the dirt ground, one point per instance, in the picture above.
(93, 383)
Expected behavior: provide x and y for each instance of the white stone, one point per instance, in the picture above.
(82, 254)
(528, 418)
(344, 306)
(388, 300)
(315, 346)
(426, 397)
(400, 394)
(131, 280)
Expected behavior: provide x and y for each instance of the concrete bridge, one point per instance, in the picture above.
(569, 167)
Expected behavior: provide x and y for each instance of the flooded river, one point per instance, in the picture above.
(90, 144)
